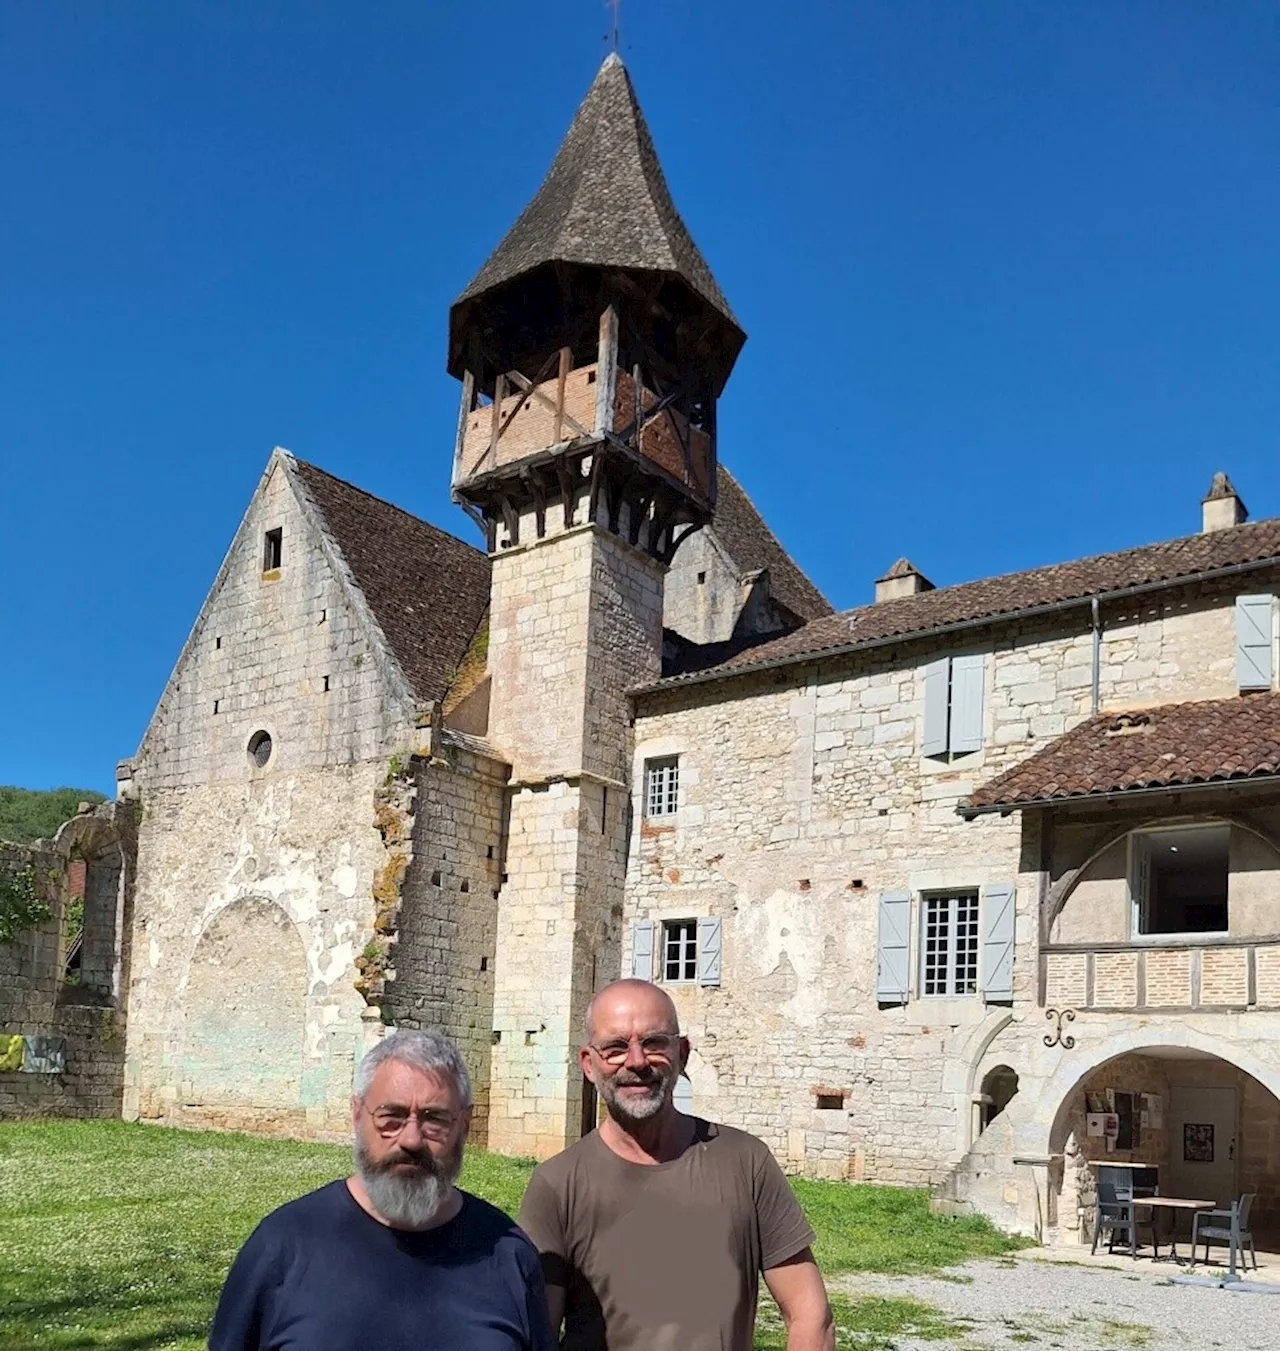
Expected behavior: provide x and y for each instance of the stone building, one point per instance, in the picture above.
(964, 887)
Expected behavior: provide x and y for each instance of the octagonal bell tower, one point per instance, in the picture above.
(591, 347)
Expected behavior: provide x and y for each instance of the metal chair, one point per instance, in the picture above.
(1115, 1211)
(1207, 1226)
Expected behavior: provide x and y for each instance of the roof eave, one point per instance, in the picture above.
(970, 813)
(719, 673)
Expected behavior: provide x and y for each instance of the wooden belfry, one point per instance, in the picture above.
(592, 347)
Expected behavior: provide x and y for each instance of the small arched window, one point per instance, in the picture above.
(999, 1087)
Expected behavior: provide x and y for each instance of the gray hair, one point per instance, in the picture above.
(429, 1051)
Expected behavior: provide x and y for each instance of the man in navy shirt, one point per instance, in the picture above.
(394, 1258)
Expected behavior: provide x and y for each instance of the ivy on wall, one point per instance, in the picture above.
(21, 906)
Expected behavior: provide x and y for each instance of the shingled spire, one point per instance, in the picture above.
(604, 208)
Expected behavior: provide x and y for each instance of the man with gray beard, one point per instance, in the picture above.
(395, 1257)
(654, 1229)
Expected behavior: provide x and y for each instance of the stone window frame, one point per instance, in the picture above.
(260, 771)
(665, 771)
(686, 951)
(969, 897)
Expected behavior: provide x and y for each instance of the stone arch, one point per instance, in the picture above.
(93, 948)
(968, 1123)
(1071, 1073)
(1061, 890)
(244, 1024)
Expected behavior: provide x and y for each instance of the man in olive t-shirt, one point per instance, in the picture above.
(654, 1230)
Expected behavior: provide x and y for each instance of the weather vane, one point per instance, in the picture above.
(614, 5)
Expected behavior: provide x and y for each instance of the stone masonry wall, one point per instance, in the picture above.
(253, 900)
(577, 621)
(256, 882)
(443, 960)
(804, 795)
(36, 1002)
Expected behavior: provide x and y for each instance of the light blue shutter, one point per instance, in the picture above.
(893, 947)
(1253, 642)
(642, 949)
(999, 920)
(967, 681)
(682, 1096)
(709, 945)
(937, 681)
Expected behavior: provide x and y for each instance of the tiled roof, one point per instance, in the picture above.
(427, 590)
(752, 545)
(1173, 561)
(604, 202)
(1174, 746)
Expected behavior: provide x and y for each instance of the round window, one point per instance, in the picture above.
(260, 749)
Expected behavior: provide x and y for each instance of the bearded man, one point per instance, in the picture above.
(655, 1228)
(394, 1257)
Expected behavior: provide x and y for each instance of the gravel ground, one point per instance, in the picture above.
(1033, 1302)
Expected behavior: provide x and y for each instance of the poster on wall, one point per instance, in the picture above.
(1197, 1142)
(1095, 1124)
(1096, 1103)
(1155, 1108)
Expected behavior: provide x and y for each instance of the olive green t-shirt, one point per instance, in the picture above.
(662, 1257)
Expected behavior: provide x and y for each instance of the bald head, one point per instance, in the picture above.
(639, 1004)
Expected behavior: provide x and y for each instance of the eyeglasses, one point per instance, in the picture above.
(654, 1047)
(434, 1124)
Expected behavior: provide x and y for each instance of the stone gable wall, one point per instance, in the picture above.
(261, 653)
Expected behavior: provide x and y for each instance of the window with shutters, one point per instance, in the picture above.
(661, 786)
(949, 944)
(954, 693)
(1178, 880)
(680, 950)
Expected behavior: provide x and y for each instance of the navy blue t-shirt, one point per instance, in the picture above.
(320, 1274)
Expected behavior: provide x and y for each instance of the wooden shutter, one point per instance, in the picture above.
(968, 677)
(893, 947)
(999, 921)
(682, 1096)
(937, 697)
(642, 949)
(1253, 642)
(709, 950)
(1139, 882)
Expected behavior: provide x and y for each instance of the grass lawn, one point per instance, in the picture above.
(118, 1236)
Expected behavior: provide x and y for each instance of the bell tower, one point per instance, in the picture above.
(591, 348)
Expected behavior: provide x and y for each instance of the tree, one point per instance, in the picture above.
(28, 814)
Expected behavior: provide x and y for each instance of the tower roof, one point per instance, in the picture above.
(604, 201)
(603, 205)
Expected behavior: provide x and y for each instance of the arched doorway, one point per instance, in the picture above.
(999, 1087)
(245, 1010)
(1209, 1127)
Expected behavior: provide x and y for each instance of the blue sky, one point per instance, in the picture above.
(1009, 272)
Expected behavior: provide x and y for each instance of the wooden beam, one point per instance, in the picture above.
(566, 360)
(606, 370)
(566, 490)
(510, 518)
(537, 490)
(464, 416)
(526, 390)
(597, 482)
(495, 423)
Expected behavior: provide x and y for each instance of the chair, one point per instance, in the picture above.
(1207, 1225)
(1115, 1211)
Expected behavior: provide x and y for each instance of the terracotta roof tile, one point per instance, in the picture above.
(1173, 561)
(1176, 745)
(428, 590)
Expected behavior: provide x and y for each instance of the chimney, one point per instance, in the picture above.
(903, 579)
(1223, 507)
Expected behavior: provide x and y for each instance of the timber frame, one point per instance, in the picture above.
(603, 472)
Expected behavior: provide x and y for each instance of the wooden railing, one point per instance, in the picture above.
(1191, 973)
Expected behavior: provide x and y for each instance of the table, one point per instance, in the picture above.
(1174, 1204)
